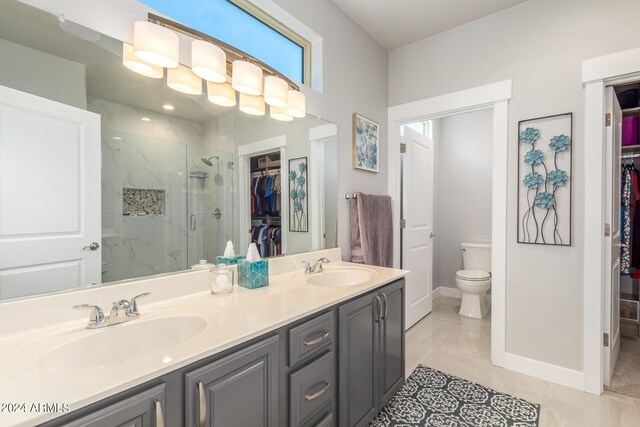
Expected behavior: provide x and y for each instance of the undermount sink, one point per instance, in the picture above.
(119, 344)
(340, 276)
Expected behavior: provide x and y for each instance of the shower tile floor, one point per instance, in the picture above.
(462, 347)
(626, 377)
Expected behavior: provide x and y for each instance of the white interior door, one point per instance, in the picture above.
(49, 195)
(417, 236)
(612, 217)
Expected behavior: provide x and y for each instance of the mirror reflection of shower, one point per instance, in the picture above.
(208, 162)
(217, 177)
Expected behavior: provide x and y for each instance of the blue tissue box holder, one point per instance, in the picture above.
(253, 275)
(228, 260)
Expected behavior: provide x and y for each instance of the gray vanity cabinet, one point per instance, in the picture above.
(144, 409)
(240, 389)
(371, 355)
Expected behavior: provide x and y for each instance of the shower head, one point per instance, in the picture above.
(207, 161)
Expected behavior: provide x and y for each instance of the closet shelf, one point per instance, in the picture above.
(630, 149)
(631, 111)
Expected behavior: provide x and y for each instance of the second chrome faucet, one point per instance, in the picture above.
(316, 267)
(121, 311)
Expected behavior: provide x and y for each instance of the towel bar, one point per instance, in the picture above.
(350, 196)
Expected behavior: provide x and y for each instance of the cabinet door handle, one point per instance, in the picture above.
(318, 393)
(159, 416)
(379, 305)
(203, 405)
(318, 340)
(386, 307)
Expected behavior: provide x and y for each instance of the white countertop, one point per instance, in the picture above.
(231, 320)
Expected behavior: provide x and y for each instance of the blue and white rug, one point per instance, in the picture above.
(435, 399)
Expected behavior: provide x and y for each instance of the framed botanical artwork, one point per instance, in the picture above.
(544, 180)
(366, 144)
(298, 200)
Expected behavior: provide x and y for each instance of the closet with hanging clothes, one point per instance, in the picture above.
(629, 100)
(266, 204)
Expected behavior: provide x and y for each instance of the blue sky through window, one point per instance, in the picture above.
(227, 22)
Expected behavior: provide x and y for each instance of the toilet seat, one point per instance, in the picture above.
(473, 275)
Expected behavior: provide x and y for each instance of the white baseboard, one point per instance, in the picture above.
(545, 371)
(447, 292)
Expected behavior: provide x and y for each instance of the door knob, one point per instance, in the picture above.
(92, 247)
(432, 235)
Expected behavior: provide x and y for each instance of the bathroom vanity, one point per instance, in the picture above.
(291, 354)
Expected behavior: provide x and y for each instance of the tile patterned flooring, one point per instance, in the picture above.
(459, 346)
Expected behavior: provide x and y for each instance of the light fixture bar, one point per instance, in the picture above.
(232, 52)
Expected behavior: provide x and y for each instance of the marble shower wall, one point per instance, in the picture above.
(163, 154)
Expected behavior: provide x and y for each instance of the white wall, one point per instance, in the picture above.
(462, 189)
(354, 71)
(41, 74)
(540, 44)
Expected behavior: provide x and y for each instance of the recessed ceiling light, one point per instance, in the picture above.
(117, 138)
(168, 107)
(145, 119)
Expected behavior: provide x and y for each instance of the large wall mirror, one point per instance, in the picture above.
(106, 175)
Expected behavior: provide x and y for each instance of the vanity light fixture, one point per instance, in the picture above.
(208, 61)
(221, 94)
(297, 104)
(246, 78)
(155, 44)
(279, 114)
(276, 91)
(168, 107)
(253, 105)
(183, 80)
(132, 62)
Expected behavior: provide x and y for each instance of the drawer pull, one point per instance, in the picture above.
(318, 340)
(159, 416)
(386, 306)
(319, 393)
(203, 405)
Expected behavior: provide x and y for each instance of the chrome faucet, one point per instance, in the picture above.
(316, 267)
(121, 311)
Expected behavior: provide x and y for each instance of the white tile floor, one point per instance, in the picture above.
(459, 346)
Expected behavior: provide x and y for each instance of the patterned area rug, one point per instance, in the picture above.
(432, 398)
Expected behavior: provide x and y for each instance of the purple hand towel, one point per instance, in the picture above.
(371, 230)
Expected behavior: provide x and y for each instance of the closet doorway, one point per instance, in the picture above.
(622, 230)
(261, 214)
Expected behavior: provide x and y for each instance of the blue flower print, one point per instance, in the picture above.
(297, 206)
(529, 135)
(557, 178)
(302, 167)
(293, 194)
(292, 175)
(533, 157)
(560, 143)
(544, 200)
(301, 180)
(533, 180)
(301, 194)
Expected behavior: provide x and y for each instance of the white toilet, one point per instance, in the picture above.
(475, 280)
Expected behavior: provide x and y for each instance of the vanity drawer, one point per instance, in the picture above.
(328, 421)
(310, 338)
(312, 388)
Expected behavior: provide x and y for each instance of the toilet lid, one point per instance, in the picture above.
(473, 275)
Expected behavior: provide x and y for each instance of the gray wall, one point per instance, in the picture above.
(462, 189)
(355, 80)
(41, 74)
(540, 44)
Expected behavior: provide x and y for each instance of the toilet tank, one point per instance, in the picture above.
(476, 256)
